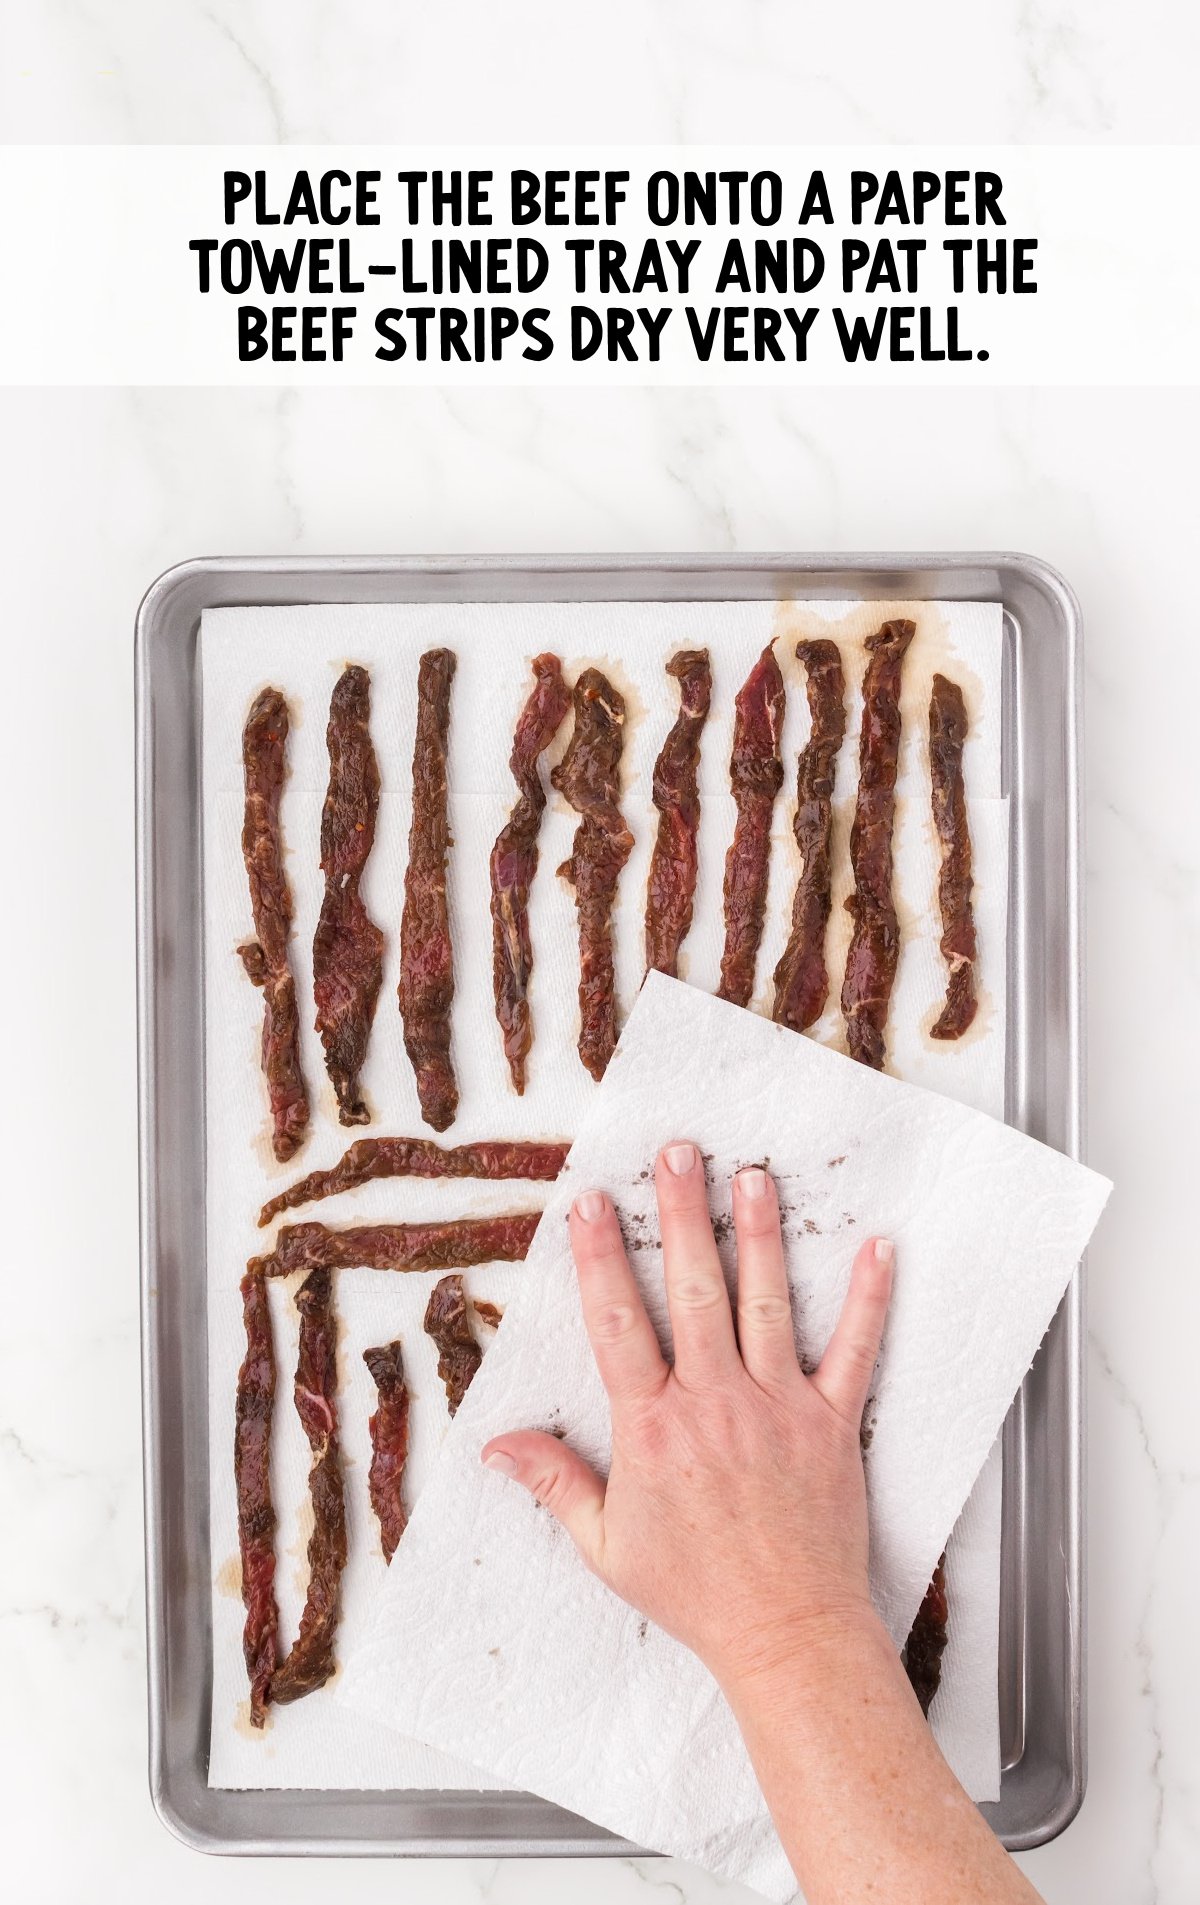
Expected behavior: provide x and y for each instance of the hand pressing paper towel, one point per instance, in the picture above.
(491, 1641)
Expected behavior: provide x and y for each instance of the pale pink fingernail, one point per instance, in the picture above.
(501, 1461)
(885, 1250)
(752, 1183)
(680, 1158)
(589, 1205)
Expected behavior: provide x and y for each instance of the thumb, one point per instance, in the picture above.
(556, 1477)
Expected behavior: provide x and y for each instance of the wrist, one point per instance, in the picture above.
(806, 1652)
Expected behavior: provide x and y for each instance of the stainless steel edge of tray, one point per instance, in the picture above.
(1042, 1683)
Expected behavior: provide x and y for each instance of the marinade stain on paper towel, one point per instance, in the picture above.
(260, 1143)
(931, 653)
(227, 1580)
(245, 1730)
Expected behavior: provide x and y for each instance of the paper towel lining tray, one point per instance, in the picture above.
(1042, 1688)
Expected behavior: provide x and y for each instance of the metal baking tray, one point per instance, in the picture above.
(1042, 1685)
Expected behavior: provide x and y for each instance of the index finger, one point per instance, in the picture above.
(621, 1334)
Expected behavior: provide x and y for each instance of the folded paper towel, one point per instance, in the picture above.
(491, 1641)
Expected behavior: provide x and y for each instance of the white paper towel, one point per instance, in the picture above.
(527, 1664)
(302, 650)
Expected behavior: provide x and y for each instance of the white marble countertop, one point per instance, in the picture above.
(1016, 71)
(103, 490)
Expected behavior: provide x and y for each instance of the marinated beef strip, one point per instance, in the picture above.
(589, 775)
(947, 736)
(489, 1314)
(867, 989)
(452, 1244)
(514, 862)
(801, 977)
(448, 1321)
(389, 1444)
(370, 1158)
(426, 960)
(264, 763)
(348, 946)
(875, 940)
(310, 1662)
(252, 1482)
(671, 888)
(926, 1642)
(755, 777)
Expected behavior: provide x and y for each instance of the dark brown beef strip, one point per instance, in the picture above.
(589, 775)
(454, 1243)
(370, 1158)
(348, 946)
(947, 738)
(426, 959)
(801, 977)
(252, 1482)
(755, 776)
(875, 941)
(671, 887)
(310, 1662)
(867, 989)
(265, 958)
(514, 861)
(389, 1443)
(927, 1640)
(448, 1321)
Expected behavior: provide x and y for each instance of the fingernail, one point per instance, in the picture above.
(885, 1250)
(680, 1158)
(752, 1184)
(589, 1205)
(501, 1461)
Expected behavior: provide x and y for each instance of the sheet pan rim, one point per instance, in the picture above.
(860, 573)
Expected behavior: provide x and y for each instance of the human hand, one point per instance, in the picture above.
(735, 1514)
